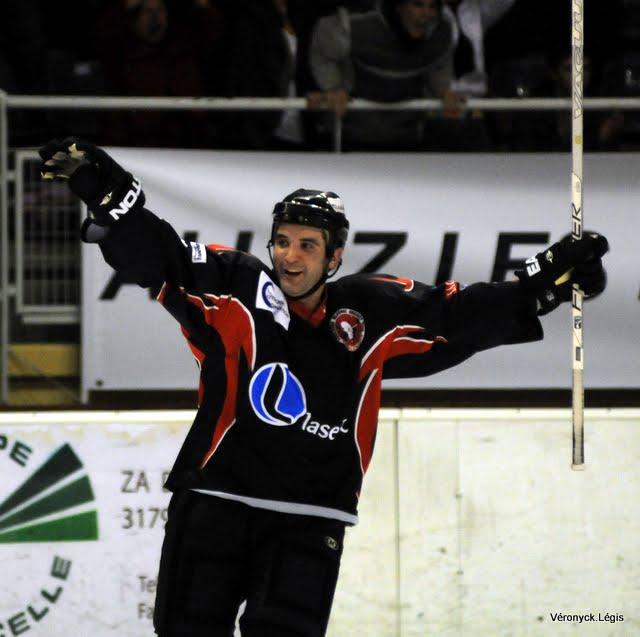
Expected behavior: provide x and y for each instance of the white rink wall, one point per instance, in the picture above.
(471, 523)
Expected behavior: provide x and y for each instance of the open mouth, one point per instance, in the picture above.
(292, 274)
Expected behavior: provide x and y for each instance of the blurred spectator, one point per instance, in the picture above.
(22, 43)
(621, 78)
(22, 48)
(551, 130)
(264, 63)
(269, 43)
(147, 53)
(516, 78)
(401, 51)
(602, 130)
(470, 19)
(531, 27)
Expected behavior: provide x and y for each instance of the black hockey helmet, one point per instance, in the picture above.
(314, 208)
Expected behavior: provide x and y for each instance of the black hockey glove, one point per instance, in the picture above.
(108, 190)
(550, 274)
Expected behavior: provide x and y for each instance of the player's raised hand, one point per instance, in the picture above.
(61, 158)
(108, 190)
(550, 274)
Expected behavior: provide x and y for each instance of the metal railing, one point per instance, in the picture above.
(46, 247)
(32, 102)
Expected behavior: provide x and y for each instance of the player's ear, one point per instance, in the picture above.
(336, 258)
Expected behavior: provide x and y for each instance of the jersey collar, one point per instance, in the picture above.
(313, 317)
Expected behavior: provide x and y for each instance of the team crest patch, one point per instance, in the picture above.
(348, 328)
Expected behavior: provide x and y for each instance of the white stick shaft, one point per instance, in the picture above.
(577, 148)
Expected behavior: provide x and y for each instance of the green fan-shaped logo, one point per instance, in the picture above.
(52, 505)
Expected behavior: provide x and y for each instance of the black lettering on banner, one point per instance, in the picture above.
(447, 258)
(244, 241)
(128, 474)
(60, 568)
(20, 453)
(143, 518)
(393, 242)
(134, 481)
(37, 614)
(190, 235)
(3, 442)
(112, 288)
(503, 262)
(51, 597)
(147, 584)
(18, 624)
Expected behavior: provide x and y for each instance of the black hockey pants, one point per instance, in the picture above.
(218, 553)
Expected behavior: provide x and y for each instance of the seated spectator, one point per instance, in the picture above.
(401, 51)
(146, 53)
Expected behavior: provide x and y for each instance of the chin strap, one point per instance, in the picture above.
(320, 282)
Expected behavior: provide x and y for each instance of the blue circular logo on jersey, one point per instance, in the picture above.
(270, 298)
(276, 395)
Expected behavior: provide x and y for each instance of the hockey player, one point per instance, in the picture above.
(290, 378)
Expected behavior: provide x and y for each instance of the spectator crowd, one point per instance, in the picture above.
(326, 52)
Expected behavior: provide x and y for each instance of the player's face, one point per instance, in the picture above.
(299, 259)
(417, 15)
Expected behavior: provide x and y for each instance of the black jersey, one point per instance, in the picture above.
(288, 406)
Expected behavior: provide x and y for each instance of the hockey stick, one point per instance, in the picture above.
(577, 296)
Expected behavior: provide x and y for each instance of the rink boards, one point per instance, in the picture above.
(471, 523)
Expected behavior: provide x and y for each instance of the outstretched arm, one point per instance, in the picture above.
(140, 246)
(460, 322)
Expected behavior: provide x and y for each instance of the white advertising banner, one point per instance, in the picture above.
(427, 216)
(445, 546)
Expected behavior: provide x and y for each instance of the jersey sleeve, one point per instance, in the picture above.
(199, 285)
(437, 327)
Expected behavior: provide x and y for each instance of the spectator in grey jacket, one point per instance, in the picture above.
(403, 50)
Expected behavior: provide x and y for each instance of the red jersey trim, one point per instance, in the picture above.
(235, 326)
(395, 342)
(367, 419)
(406, 283)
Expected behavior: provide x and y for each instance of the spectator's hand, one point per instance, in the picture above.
(335, 100)
(452, 104)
